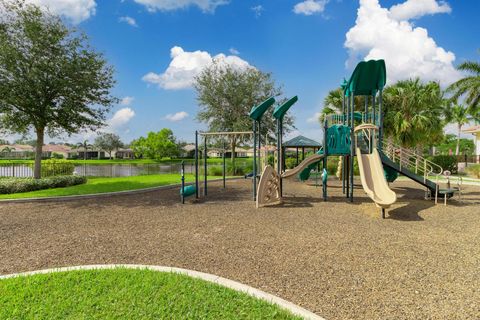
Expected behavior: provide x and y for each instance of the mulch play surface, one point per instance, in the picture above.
(337, 259)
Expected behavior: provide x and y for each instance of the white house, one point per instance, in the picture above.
(475, 130)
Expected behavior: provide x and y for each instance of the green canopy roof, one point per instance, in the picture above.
(280, 110)
(301, 141)
(367, 78)
(257, 111)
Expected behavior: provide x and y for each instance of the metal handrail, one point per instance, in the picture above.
(412, 161)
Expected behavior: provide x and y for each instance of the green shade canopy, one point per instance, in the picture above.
(280, 110)
(257, 111)
(367, 78)
(301, 141)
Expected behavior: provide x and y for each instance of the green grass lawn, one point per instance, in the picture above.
(127, 294)
(102, 185)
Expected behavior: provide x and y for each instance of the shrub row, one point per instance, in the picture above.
(446, 162)
(16, 185)
(56, 167)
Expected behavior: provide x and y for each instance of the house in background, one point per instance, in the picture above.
(188, 151)
(17, 151)
(475, 130)
(50, 149)
(124, 153)
(79, 153)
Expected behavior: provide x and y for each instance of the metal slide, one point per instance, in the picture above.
(373, 179)
(303, 165)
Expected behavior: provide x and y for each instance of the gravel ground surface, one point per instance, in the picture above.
(337, 259)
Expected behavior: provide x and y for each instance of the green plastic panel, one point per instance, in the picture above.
(305, 174)
(258, 111)
(188, 191)
(390, 174)
(280, 111)
(338, 140)
(367, 78)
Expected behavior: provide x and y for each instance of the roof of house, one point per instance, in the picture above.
(17, 147)
(189, 147)
(56, 148)
(301, 141)
(473, 129)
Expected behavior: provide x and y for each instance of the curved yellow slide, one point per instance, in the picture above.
(305, 163)
(373, 179)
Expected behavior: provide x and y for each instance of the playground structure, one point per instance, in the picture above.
(354, 131)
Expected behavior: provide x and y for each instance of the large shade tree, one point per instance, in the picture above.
(51, 80)
(108, 142)
(226, 95)
(156, 145)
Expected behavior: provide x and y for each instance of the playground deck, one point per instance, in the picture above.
(334, 258)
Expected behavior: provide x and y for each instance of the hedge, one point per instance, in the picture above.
(56, 167)
(17, 185)
(446, 162)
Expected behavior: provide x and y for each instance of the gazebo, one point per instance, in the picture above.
(302, 143)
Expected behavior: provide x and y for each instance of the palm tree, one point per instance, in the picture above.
(85, 145)
(469, 87)
(333, 103)
(460, 115)
(414, 113)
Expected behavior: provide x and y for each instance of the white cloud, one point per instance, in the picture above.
(257, 10)
(186, 65)
(168, 5)
(129, 20)
(412, 9)
(74, 10)
(309, 7)
(314, 118)
(120, 119)
(234, 51)
(116, 124)
(179, 116)
(408, 51)
(126, 101)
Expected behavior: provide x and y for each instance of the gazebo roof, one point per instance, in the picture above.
(301, 141)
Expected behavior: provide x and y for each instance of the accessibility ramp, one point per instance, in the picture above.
(373, 179)
(311, 160)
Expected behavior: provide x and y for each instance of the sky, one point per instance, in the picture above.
(158, 46)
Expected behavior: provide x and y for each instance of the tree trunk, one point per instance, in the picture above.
(457, 150)
(37, 171)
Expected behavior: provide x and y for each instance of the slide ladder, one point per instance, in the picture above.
(411, 165)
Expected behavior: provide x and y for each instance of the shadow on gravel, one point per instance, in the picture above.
(410, 211)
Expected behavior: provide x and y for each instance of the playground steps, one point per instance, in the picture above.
(411, 165)
(432, 186)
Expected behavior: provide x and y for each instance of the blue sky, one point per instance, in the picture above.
(309, 46)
